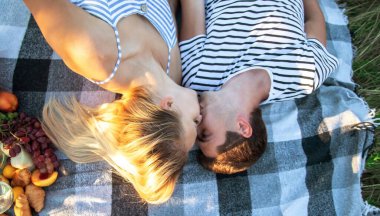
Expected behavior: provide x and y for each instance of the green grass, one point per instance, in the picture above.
(364, 24)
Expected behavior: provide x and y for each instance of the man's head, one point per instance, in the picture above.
(230, 140)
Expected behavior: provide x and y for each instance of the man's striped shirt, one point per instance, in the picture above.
(248, 34)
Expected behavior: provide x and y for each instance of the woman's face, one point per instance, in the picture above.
(187, 106)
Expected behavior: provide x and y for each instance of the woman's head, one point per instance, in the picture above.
(184, 102)
(139, 138)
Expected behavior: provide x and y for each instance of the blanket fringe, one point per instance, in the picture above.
(369, 210)
(370, 122)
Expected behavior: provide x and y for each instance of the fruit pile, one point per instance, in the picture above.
(32, 163)
(27, 188)
(22, 138)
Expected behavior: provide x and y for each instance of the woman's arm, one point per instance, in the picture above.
(314, 21)
(84, 42)
(193, 19)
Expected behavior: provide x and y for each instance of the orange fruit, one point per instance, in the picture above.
(8, 102)
(37, 181)
(9, 171)
(16, 192)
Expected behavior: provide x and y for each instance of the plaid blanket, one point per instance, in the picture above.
(312, 164)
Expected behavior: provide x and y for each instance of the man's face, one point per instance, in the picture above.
(212, 130)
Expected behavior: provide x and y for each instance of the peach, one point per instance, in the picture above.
(36, 179)
(8, 102)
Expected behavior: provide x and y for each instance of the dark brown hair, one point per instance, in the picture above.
(239, 153)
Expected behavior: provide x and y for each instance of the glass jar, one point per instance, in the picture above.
(3, 160)
(6, 197)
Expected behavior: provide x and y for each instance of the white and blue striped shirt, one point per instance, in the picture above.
(112, 11)
(268, 34)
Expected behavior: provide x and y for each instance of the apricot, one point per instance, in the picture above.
(9, 171)
(8, 102)
(16, 192)
(37, 181)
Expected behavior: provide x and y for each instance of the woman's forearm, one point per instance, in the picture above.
(71, 33)
(315, 26)
(57, 23)
(193, 19)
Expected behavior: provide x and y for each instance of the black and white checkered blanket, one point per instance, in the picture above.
(312, 164)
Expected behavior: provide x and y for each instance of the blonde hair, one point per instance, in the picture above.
(138, 138)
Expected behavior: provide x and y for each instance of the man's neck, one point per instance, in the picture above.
(247, 90)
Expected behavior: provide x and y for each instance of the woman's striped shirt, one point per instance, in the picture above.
(112, 11)
(248, 34)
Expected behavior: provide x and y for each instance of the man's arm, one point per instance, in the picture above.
(76, 36)
(193, 19)
(315, 26)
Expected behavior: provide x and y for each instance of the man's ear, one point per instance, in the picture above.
(244, 127)
(166, 102)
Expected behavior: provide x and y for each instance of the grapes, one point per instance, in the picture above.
(25, 139)
(22, 130)
(29, 129)
(40, 165)
(35, 145)
(22, 116)
(56, 164)
(19, 131)
(53, 158)
(37, 125)
(40, 133)
(41, 139)
(17, 149)
(34, 131)
(36, 154)
(49, 152)
(9, 141)
(32, 137)
(28, 148)
(41, 158)
(44, 146)
(12, 152)
(49, 167)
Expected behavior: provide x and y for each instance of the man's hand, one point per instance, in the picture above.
(315, 26)
(193, 21)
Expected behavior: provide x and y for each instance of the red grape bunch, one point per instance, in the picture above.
(21, 131)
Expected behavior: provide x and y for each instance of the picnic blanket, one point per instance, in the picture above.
(312, 165)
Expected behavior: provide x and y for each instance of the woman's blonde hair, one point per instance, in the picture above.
(138, 138)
